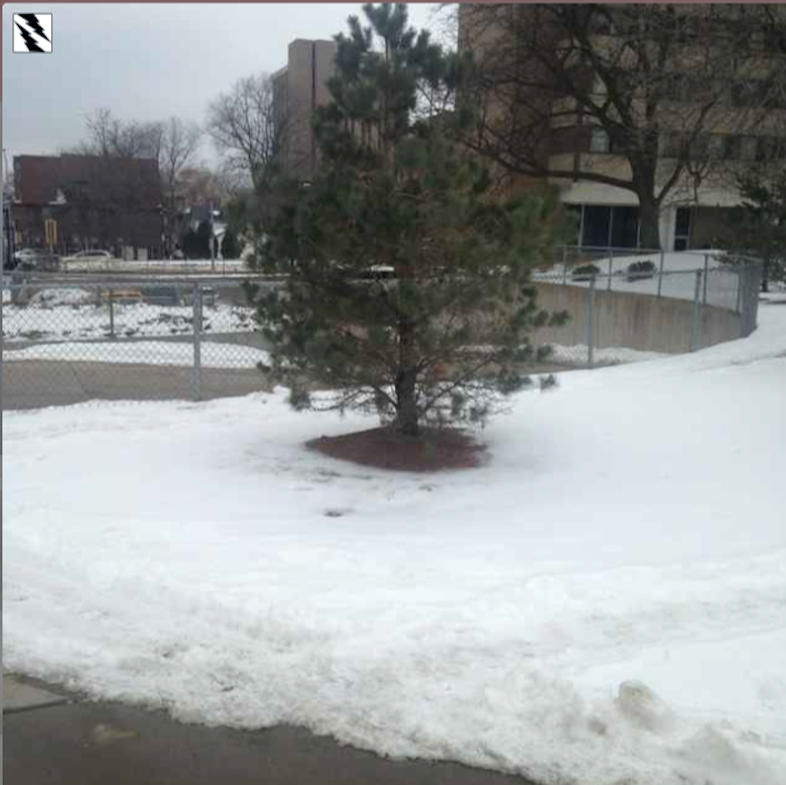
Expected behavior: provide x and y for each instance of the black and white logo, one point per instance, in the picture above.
(33, 33)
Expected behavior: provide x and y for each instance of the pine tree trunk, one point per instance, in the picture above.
(406, 401)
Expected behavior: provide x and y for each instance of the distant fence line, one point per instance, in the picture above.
(70, 337)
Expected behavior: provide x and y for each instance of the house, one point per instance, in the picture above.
(73, 202)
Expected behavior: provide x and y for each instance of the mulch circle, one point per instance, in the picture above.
(383, 448)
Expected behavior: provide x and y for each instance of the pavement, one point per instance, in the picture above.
(35, 383)
(51, 737)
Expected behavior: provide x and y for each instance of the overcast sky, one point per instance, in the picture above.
(149, 61)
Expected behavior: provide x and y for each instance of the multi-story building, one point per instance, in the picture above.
(298, 89)
(719, 116)
(74, 202)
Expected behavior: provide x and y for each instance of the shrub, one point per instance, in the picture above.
(637, 270)
(585, 272)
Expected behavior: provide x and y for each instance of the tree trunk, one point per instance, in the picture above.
(406, 404)
(649, 215)
(406, 401)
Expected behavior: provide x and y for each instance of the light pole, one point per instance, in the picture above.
(212, 240)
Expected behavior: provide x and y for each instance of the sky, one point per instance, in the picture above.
(149, 61)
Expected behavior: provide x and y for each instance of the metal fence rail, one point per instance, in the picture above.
(70, 338)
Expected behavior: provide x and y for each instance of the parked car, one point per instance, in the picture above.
(29, 259)
(94, 255)
(27, 255)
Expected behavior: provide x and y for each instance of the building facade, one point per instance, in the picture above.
(298, 89)
(76, 202)
(728, 129)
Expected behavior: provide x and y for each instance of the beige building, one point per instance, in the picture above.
(299, 88)
(736, 134)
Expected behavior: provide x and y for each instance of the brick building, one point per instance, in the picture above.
(558, 135)
(75, 202)
(298, 89)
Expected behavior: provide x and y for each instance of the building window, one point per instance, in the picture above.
(600, 142)
(682, 229)
(748, 148)
(670, 144)
(607, 226)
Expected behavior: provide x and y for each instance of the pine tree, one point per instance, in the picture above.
(760, 223)
(192, 249)
(229, 245)
(408, 287)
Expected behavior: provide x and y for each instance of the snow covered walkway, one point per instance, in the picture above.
(605, 601)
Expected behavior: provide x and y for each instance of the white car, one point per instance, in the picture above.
(90, 256)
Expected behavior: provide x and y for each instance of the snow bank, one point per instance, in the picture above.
(679, 280)
(51, 317)
(609, 355)
(602, 603)
(213, 355)
(54, 297)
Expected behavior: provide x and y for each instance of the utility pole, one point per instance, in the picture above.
(212, 242)
(7, 224)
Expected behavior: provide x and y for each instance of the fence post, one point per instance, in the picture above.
(660, 271)
(706, 276)
(695, 320)
(196, 371)
(611, 267)
(739, 290)
(564, 265)
(111, 313)
(591, 322)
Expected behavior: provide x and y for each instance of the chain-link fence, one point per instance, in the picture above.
(635, 305)
(74, 337)
(72, 340)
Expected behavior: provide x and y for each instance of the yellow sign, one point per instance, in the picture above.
(50, 227)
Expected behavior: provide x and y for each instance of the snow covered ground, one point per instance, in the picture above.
(63, 314)
(679, 280)
(213, 355)
(603, 602)
(224, 355)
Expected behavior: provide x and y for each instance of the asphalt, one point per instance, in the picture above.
(52, 738)
(33, 384)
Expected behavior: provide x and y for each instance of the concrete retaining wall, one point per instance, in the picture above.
(635, 321)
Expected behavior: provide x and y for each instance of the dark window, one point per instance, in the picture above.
(682, 229)
(597, 221)
(625, 227)
(733, 149)
(671, 144)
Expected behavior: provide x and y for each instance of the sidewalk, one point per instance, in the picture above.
(51, 738)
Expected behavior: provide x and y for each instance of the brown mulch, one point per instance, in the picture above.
(434, 449)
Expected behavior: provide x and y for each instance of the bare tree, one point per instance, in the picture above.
(110, 136)
(179, 142)
(631, 96)
(248, 126)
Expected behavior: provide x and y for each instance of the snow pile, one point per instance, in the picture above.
(213, 355)
(52, 298)
(47, 319)
(609, 355)
(602, 603)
